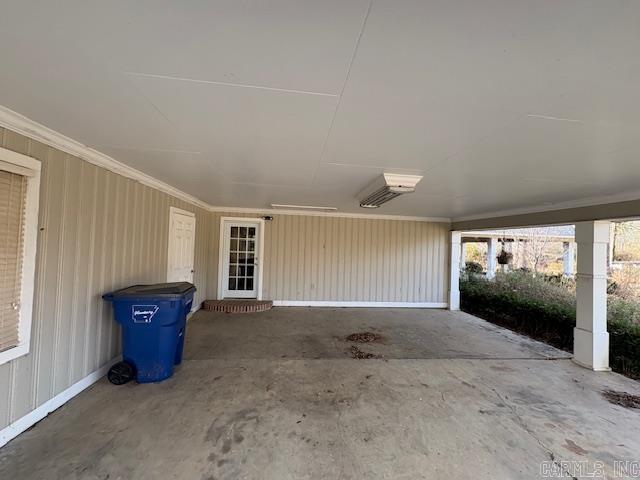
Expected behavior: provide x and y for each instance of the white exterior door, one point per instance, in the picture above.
(241, 258)
(182, 236)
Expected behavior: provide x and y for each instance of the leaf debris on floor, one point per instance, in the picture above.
(623, 399)
(364, 337)
(360, 355)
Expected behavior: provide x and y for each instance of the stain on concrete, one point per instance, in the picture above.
(573, 447)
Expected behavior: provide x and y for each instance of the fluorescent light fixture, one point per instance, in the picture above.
(279, 206)
(387, 187)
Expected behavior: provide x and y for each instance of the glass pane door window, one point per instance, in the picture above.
(242, 248)
(241, 262)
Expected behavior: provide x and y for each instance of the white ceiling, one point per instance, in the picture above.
(500, 104)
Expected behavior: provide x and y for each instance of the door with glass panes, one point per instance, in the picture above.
(240, 259)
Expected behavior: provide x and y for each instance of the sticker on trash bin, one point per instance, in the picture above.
(143, 313)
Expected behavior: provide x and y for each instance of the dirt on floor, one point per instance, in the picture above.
(623, 399)
(364, 337)
(360, 355)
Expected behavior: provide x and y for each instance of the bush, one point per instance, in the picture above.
(547, 311)
(473, 267)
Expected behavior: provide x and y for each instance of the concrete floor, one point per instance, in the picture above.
(275, 396)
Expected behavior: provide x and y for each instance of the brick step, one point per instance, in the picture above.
(237, 306)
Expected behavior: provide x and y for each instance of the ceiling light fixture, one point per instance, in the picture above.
(388, 187)
(279, 206)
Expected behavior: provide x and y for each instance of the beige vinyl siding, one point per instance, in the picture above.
(99, 231)
(319, 258)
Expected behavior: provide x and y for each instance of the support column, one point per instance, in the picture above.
(567, 258)
(454, 271)
(492, 253)
(591, 340)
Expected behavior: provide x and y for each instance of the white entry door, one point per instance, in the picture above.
(182, 236)
(241, 262)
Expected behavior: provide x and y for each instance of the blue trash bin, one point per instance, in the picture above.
(154, 320)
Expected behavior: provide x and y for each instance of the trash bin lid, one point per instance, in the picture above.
(162, 290)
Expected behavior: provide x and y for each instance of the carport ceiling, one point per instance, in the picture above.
(499, 104)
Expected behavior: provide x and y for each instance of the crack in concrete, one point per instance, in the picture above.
(520, 422)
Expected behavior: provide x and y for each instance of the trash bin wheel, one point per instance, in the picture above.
(121, 373)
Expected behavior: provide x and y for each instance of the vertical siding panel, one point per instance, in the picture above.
(349, 269)
(293, 230)
(154, 246)
(433, 260)
(138, 228)
(125, 213)
(368, 258)
(367, 241)
(375, 269)
(305, 261)
(311, 258)
(90, 307)
(442, 256)
(300, 280)
(58, 165)
(440, 279)
(396, 247)
(80, 273)
(355, 274)
(315, 252)
(281, 257)
(321, 266)
(104, 272)
(288, 257)
(335, 258)
(419, 262)
(341, 247)
(324, 260)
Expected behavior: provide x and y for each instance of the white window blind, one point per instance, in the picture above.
(13, 192)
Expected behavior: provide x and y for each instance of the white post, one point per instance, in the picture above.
(567, 258)
(591, 340)
(454, 271)
(492, 253)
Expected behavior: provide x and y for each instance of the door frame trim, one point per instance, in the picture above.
(221, 259)
(172, 211)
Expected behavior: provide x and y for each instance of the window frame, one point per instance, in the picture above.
(29, 167)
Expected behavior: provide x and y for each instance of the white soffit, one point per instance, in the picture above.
(500, 105)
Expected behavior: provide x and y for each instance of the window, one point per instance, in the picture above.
(19, 191)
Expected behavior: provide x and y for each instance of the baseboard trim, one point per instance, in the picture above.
(16, 428)
(194, 309)
(330, 303)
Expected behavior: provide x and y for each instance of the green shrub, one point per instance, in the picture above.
(473, 267)
(546, 310)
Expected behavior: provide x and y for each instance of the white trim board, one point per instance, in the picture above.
(34, 416)
(30, 168)
(311, 213)
(340, 304)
